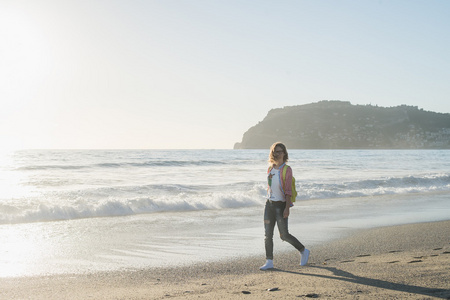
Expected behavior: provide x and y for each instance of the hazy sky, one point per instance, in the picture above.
(199, 73)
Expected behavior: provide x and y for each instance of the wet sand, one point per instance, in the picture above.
(399, 262)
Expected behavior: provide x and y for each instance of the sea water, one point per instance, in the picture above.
(78, 211)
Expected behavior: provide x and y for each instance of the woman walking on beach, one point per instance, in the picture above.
(278, 205)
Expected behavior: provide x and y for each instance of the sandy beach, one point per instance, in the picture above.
(399, 262)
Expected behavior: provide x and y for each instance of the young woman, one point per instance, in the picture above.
(278, 205)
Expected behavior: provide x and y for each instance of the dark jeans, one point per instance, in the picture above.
(273, 214)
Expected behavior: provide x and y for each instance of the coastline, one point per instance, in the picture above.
(405, 261)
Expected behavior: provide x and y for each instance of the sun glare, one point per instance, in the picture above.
(18, 250)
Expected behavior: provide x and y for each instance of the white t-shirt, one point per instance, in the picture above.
(273, 179)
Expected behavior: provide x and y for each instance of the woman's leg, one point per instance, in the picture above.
(269, 225)
(282, 224)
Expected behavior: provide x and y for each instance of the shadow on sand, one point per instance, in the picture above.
(349, 277)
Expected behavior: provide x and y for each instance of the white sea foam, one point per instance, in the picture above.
(132, 200)
(124, 201)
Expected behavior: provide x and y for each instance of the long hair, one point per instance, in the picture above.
(272, 159)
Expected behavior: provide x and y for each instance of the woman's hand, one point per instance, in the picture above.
(286, 212)
(288, 205)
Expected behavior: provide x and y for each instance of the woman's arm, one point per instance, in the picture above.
(288, 191)
(288, 182)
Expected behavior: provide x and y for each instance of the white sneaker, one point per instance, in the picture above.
(304, 257)
(267, 265)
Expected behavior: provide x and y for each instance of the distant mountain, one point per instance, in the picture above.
(341, 125)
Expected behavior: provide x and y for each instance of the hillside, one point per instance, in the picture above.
(341, 125)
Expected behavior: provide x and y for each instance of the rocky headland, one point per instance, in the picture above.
(341, 125)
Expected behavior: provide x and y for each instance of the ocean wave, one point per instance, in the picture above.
(172, 198)
(112, 165)
(50, 167)
(374, 187)
(143, 199)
